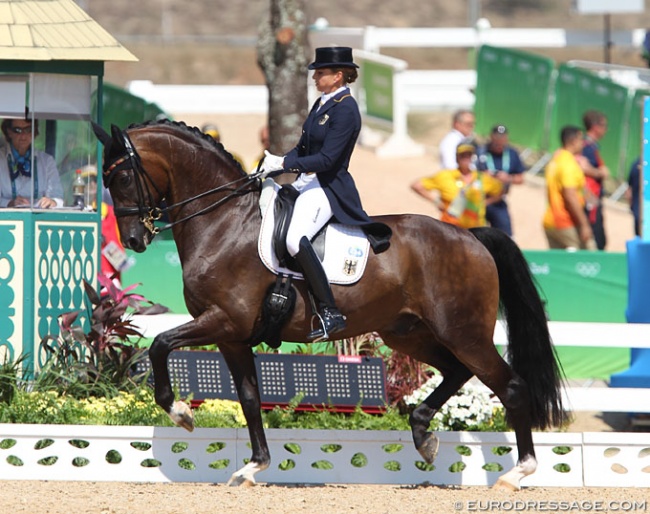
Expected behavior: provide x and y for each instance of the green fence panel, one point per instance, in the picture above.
(584, 286)
(377, 80)
(577, 91)
(121, 108)
(513, 88)
(634, 133)
(159, 272)
(581, 286)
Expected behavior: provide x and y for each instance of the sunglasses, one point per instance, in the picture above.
(21, 130)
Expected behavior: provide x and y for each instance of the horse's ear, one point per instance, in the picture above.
(118, 138)
(101, 134)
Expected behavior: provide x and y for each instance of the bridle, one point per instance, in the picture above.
(147, 210)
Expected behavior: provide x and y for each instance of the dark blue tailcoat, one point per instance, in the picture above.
(325, 147)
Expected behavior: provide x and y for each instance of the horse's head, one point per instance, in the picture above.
(136, 192)
(166, 160)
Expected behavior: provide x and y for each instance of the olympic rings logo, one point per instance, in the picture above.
(588, 269)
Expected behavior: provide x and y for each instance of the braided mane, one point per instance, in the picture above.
(195, 132)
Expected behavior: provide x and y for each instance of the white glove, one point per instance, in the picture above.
(271, 163)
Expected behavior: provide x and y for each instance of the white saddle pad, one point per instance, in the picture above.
(346, 247)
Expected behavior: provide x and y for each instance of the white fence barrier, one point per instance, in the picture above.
(157, 454)
(374, 39)
(421, 91)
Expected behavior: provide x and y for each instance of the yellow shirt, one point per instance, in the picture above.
(463, 204)
(562, 172)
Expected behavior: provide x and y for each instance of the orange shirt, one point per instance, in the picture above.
(562, 172)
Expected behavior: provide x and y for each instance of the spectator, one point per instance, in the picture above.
(502, 161)
(16, 169)
(633, 194)
(461, 193)
(463, 123)
(565, 222)
(212, 131)
(596, 172)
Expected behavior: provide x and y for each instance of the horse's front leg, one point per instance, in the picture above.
(199, 331)
(241, 362)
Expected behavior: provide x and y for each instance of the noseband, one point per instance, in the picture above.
(147, 209)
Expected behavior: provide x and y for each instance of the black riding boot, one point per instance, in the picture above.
(332, 320)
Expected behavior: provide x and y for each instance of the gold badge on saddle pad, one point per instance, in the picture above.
(323, 119)
(350, 266)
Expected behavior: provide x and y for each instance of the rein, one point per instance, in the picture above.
(148, 215)
(239, 191)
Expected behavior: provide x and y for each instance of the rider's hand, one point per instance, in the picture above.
(271, 163)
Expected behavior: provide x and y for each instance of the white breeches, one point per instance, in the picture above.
(311, 211)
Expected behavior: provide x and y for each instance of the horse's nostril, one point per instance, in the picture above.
(133, 243)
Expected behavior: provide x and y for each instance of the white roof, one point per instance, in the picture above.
(48, 30)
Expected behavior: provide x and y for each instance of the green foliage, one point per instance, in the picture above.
(327, 420)
(101, 362)
(138, 408)
(10, 373)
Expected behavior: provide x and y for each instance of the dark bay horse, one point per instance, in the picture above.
(433, 295)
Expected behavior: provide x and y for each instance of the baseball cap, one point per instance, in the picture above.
(465, 148)
(499, 129)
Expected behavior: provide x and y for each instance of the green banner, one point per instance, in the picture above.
(377, 80)
(581, 286)
(584, 286)
(634, 133)
(513, 88)
(576, 92)
(121, 108)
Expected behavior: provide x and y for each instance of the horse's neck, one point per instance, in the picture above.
(238, 216)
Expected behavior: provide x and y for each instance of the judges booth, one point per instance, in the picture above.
(46, 253)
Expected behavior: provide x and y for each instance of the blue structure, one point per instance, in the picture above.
(638, 255)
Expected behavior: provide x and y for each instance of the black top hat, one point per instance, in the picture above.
(333, 57)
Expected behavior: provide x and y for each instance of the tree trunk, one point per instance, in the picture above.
(282, 55)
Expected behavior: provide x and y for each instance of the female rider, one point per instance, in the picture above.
(326, 188)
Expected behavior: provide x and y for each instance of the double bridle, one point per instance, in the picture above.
(147, 210)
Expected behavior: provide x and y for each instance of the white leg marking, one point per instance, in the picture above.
(246, 475)
(182, 415)
(511, 480)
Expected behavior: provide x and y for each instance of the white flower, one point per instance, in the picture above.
(471, 405)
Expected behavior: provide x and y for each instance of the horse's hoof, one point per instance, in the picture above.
(240, 481)
(182, 416)
(504, 485)
(429, 448)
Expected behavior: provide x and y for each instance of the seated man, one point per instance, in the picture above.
(16, 169)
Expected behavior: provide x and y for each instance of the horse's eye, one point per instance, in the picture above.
(124, 179)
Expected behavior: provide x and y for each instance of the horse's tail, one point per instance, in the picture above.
(530, 350)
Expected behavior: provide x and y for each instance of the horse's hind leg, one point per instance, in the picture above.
(421, 347)
(496, 374)
(426, 442)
